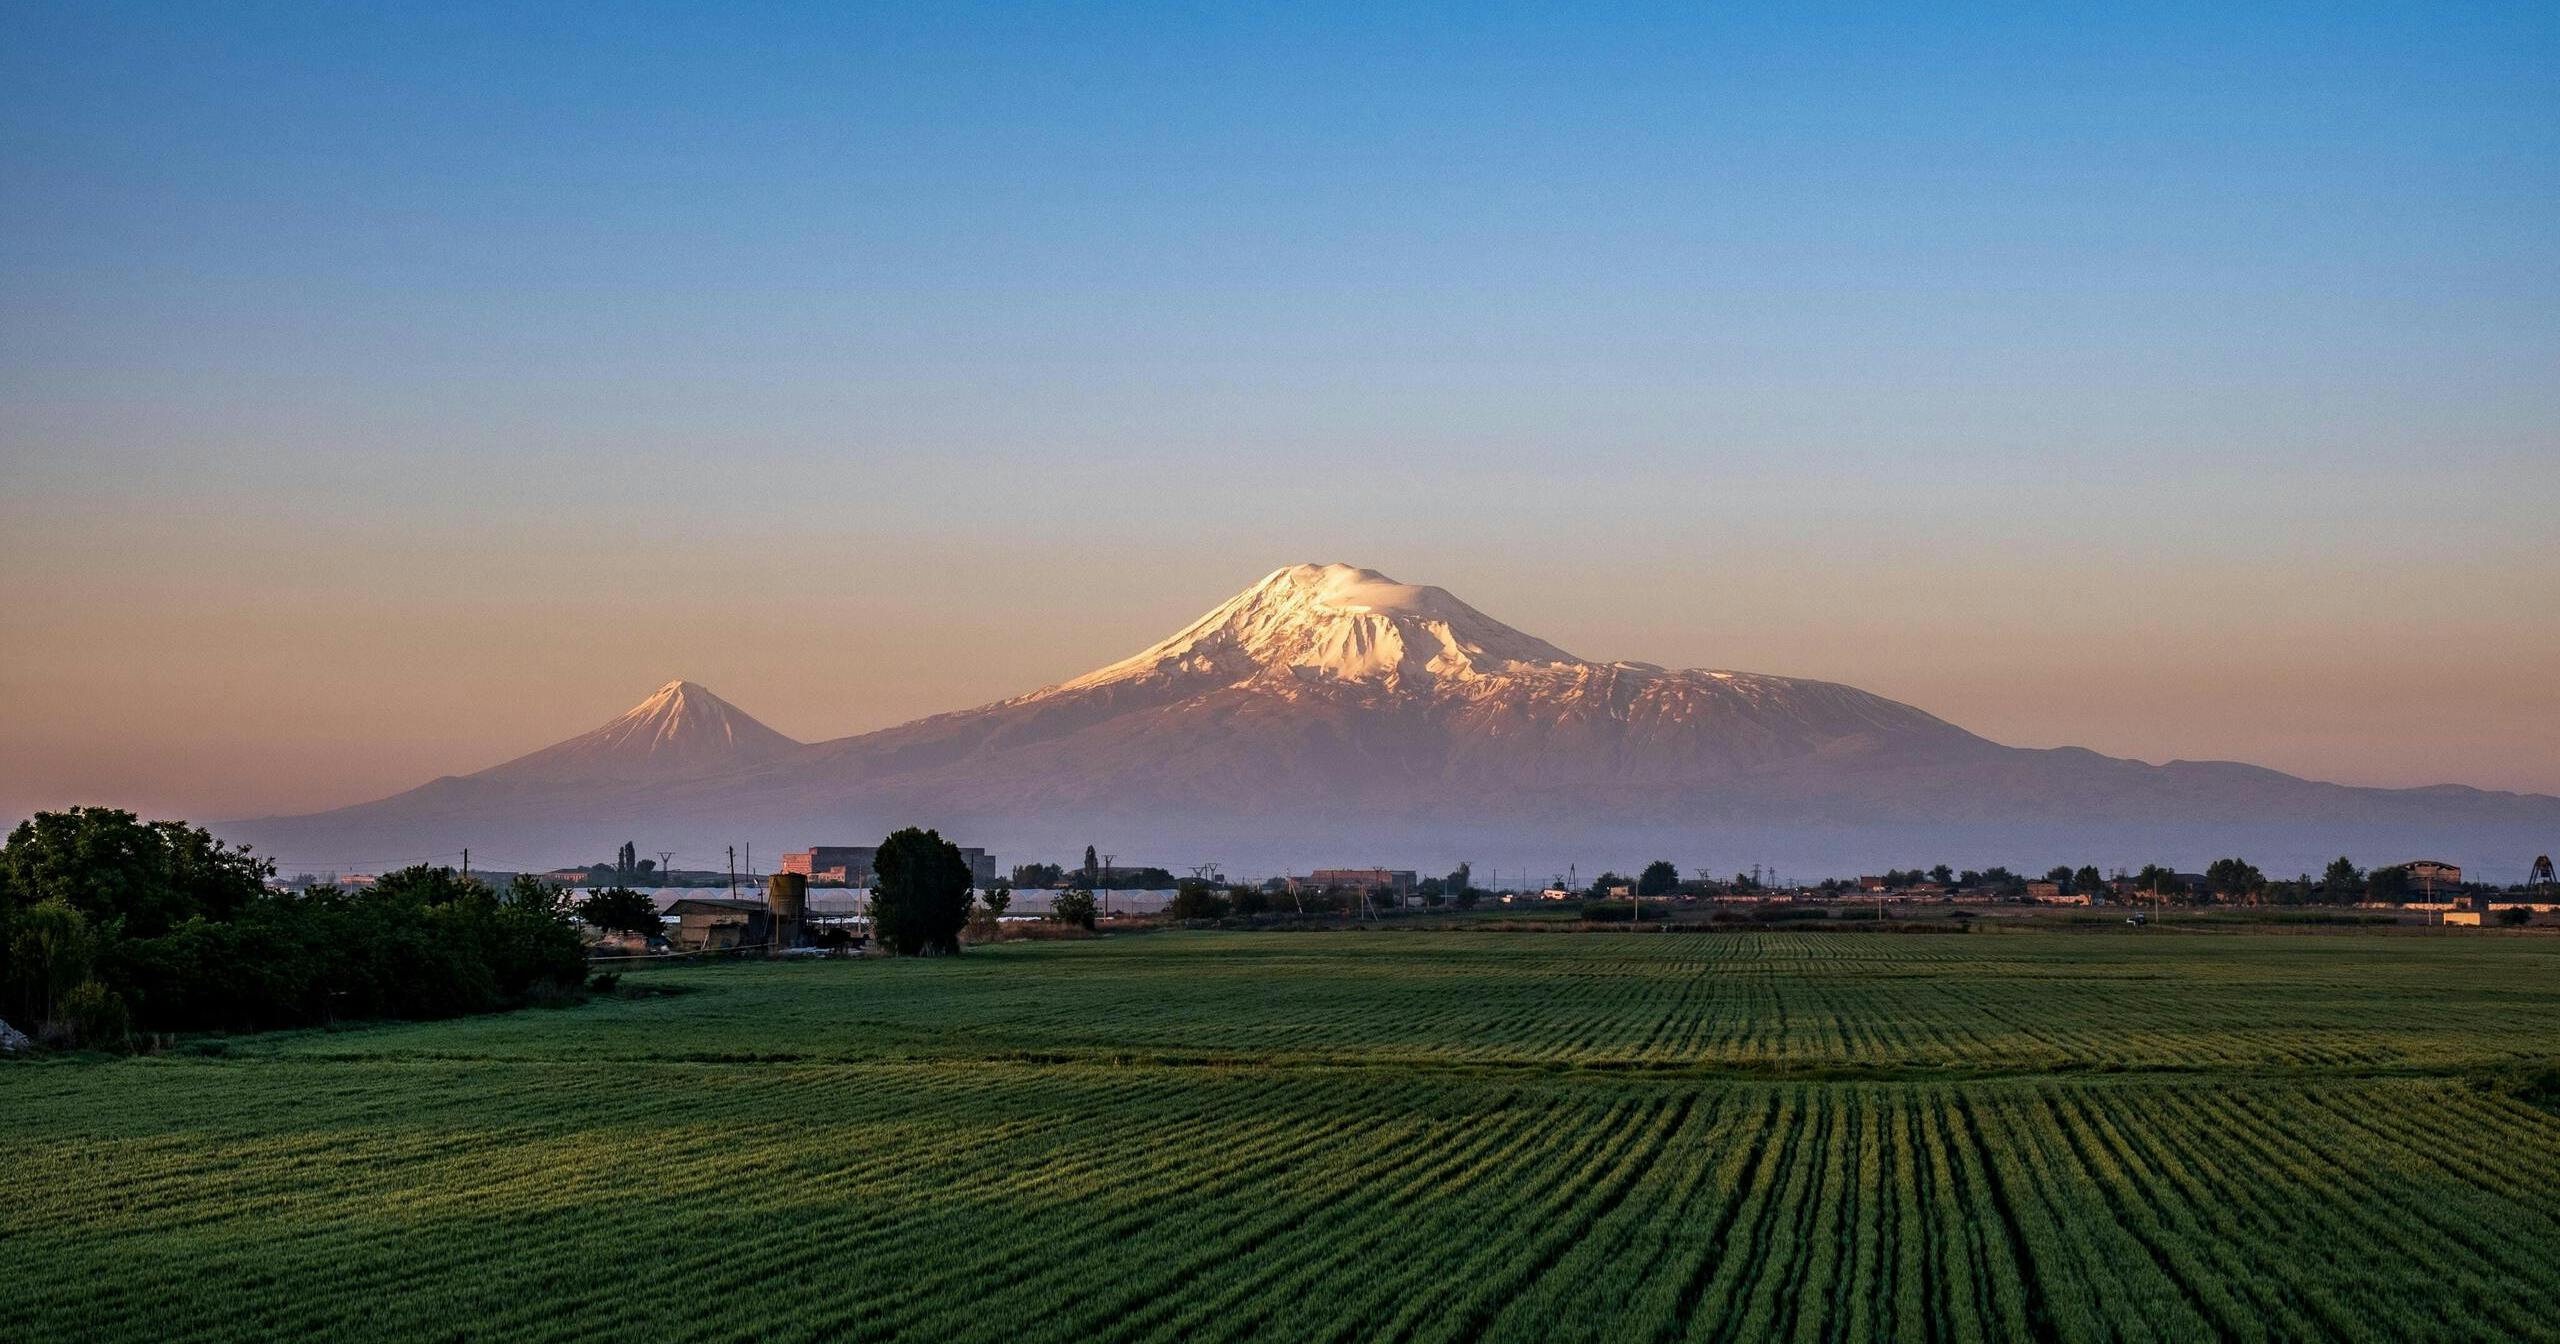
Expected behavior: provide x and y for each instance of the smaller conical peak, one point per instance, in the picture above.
(680, 727)
(686, 706)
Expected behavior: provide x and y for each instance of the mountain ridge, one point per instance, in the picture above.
(1327, 708)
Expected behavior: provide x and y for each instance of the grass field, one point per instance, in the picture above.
(1349, 1136)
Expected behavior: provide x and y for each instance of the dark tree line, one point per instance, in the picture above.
(108, 923)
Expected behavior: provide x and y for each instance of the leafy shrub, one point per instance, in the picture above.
(1197, 900)
(97, 1016)
(1074, 906)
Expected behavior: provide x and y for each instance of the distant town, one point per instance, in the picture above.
(815, 897)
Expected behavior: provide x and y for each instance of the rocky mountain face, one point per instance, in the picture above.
(1331, 714)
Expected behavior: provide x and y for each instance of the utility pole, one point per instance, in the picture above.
(466, 863)
(733, 872)
(666, 861)
(1106, 882)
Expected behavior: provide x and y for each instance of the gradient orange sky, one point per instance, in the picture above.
(377, 403)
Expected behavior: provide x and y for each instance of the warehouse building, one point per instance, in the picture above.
(850, 865)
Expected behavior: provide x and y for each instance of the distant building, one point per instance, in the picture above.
(1401, 881)
(851, 864)
(2429, 874)
(2045, 891)
(1555, 894)
(706, 924)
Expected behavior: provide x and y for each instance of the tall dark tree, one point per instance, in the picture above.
(919, 893)
(1092, 865)
(1659, 877)
(2342, 879)
(2088, 881)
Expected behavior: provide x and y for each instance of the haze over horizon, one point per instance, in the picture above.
(388, 394)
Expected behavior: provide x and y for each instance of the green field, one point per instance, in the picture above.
(1349, 1136)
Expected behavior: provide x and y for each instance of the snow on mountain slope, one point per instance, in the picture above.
(1333, 622)
(1345, 636)
(1332, 687)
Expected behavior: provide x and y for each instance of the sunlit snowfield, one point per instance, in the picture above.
(1350, 1135)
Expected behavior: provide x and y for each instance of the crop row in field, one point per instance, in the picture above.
(239, 1199)
(2021, 1002)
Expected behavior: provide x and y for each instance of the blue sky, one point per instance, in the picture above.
(1930, 348)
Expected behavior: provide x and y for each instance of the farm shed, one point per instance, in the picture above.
(709, 924)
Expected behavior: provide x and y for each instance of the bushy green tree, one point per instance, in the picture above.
(2235, 879)
(2155, 880)
(1073, 906)
(131, 878)
(1195, 899)
(622, 910)
(919, 893)
(997, 899)
(1658, 878)
(2088, 881)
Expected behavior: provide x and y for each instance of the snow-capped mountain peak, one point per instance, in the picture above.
(1335, 623)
